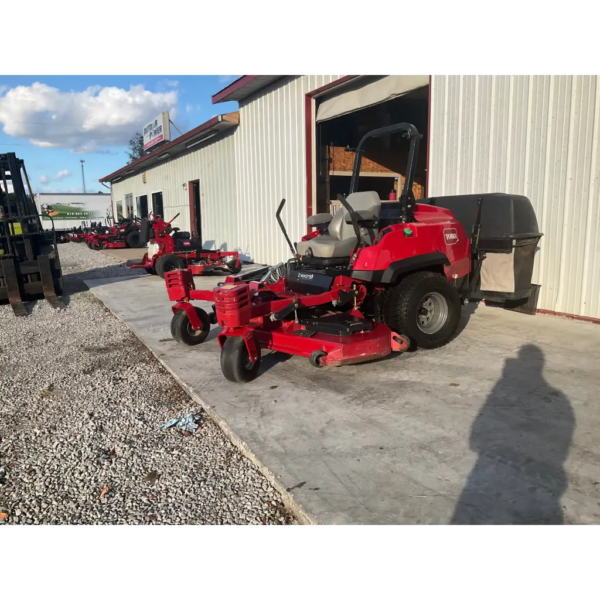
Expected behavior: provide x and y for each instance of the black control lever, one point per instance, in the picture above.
(282, 227)
(284, 312)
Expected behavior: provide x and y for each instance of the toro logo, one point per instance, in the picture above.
(187, 243)
(450, 236)
(305, 275)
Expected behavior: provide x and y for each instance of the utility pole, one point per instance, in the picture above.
(82, 175)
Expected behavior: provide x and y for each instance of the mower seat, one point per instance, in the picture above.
(184, 242)
(340, 239)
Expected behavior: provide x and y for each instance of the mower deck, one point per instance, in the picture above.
(338, 350)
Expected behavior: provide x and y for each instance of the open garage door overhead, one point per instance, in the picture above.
(368, 91)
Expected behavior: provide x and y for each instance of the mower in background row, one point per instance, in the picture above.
(376, 277)
(124, 234)
(98, 236)
(170, 249)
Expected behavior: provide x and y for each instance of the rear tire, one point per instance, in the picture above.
(133, 239)
(235, 361)
(168, 262)
(182, 331)
(425, 307)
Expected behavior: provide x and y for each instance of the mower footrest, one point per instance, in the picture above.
(341, 324)
(136, 262)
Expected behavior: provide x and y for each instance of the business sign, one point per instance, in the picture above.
(67, 209)
(157, 131)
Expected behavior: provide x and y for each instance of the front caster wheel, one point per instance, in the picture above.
(234, 268)
(235, 361)
(182, 330)
(316, 358)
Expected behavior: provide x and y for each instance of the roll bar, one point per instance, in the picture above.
(407, 198)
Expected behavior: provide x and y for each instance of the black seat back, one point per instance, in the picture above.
(144, 231)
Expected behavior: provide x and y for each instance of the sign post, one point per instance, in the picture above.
(157, 131)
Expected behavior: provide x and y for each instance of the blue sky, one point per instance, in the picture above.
(54, 122)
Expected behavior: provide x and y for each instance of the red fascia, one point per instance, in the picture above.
(233, 87)
(165, 148)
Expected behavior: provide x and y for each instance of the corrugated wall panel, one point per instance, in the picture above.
(270, 154)
(214, 165)
(537, 136)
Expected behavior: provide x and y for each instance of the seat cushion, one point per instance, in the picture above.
(326, 246)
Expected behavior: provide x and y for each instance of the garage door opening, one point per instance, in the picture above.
(385, 158)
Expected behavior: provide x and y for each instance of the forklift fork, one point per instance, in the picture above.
(12, 287)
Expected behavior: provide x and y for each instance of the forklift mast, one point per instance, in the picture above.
(29, 262)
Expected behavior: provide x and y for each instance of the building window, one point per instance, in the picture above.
(129, 205)
(119, 204)
(157, 204)
(142, 206)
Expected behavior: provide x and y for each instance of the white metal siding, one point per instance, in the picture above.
(270, 153)
(536, 136)
(214, 165)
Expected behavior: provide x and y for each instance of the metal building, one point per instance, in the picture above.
(194, 175)
(536, 136)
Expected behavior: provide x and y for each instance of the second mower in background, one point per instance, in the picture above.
(170, 249)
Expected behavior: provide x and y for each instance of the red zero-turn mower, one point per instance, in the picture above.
(170, 249)
(374, 278)
(125, 234)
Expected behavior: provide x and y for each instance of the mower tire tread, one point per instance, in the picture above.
(133, 239)
(235, 361)
(401, 305)
(182, 331)
(168, 262)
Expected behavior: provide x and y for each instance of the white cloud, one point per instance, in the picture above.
(64, 174)
(171, 83)
(3, 88)
(192, 107)
(227, 78)
(87, 121)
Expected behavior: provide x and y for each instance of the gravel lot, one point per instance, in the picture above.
(81, 403)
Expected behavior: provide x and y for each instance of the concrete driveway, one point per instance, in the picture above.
(125, 253)
(500, 426)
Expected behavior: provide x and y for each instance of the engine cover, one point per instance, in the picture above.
(307, 282)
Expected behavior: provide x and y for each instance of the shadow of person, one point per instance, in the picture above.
(522, 435)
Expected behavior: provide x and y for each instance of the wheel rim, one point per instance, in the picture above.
(248, 364)
(432, 312)
(192, 331)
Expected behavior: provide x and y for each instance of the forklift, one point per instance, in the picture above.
(29, 262)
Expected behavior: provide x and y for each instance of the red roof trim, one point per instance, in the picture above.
(165, 148)
(232, 88)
